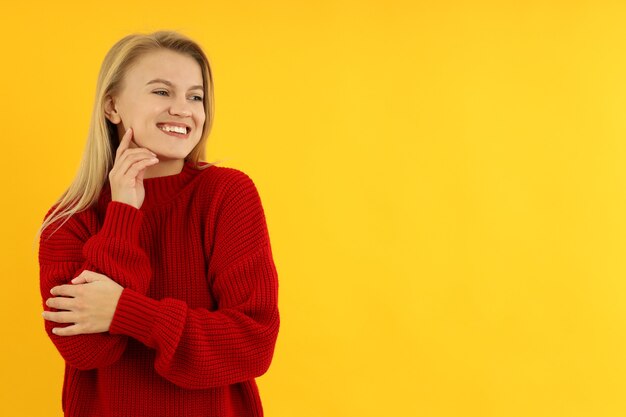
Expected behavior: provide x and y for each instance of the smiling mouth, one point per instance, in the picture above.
(171, 128)
(175, 133)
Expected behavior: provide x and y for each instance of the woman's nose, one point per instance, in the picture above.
(180, 108)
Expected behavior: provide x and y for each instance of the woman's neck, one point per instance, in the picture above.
(164, 168)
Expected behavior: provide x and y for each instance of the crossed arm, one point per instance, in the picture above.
(88, 303)
(195, 348)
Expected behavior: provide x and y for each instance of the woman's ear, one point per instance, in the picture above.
(110, 111)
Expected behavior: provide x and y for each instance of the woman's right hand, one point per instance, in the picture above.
(126, 176)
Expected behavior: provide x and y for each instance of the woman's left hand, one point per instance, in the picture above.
(89, 302)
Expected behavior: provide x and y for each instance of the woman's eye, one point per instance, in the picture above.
(165, 93)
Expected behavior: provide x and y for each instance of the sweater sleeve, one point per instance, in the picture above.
(197, 348)
(113, 250)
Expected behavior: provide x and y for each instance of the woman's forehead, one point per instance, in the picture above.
(176, 69)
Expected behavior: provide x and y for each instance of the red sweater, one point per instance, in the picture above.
(197, 320)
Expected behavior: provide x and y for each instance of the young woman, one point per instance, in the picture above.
(156, 270)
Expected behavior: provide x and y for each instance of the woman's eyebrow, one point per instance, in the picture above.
(161, 80)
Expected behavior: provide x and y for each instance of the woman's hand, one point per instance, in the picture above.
(126, 176)
(89, 302)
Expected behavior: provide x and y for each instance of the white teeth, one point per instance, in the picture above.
(176, 129)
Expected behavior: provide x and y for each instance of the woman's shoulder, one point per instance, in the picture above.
(227, 189)
(77, 225)
(225, 179)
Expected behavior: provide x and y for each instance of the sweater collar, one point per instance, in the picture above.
(159, 190)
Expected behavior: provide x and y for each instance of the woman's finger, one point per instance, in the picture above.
(126, 182)
(67, 331)
(125, 160)
(124, 142)
(61, 303)
(139, 166)
(88, 276)
(81, 279)
(59, 316)
(66, 290)
(133, 151)
(128, 159)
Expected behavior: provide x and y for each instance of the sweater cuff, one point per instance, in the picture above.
(122, 221)
(134, 316)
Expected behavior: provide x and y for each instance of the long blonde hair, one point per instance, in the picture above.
(102, 141)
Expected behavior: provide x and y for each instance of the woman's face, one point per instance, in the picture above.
(163, 90)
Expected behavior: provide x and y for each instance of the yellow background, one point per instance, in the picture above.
(444, 185)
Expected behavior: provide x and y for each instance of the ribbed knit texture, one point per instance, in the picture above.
(198, 318)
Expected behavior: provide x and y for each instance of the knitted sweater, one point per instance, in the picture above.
(197, 320)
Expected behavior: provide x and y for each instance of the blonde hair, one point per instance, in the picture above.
(102, 140)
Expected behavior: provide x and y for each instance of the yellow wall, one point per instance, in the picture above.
(444, 185)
